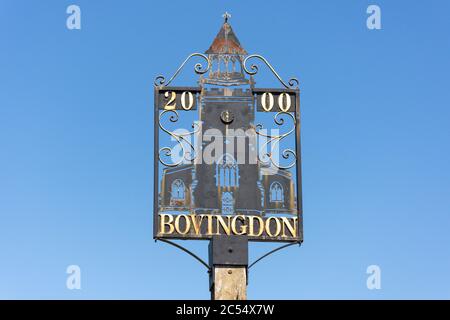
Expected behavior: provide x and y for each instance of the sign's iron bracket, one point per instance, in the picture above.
(187, 251)
(273, 251)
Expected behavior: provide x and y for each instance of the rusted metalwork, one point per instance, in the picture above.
(198, 68)
(292, 83)
(226, 42)
(190, 196)
(227, 201)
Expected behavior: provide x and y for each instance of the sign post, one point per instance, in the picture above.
(228, 166)
(228, 258)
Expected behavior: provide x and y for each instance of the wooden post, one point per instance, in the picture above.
(228, 260)
(230, 283)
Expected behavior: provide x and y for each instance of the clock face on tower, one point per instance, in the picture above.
(227, 116)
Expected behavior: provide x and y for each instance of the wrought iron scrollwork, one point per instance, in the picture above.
(291, 84)
(198, 68)
(274, 140)
(181, 140)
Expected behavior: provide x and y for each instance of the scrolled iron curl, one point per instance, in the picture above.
(180, 138)
(198, 68)
(279, 120)
(291, 84)
(287, 152)
(275, 140)
(159, 81)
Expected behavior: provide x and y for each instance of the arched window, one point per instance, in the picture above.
(227, 203)
(276, 192)
(227, 172)
(178, 190)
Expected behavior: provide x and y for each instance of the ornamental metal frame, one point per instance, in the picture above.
(291, 87)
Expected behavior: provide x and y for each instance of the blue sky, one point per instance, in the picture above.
(76, 146)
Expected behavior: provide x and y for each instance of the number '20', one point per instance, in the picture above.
(187, 100)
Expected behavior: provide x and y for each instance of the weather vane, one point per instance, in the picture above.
(226, 16)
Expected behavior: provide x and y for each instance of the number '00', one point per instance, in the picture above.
(187, 100)
(284, 101)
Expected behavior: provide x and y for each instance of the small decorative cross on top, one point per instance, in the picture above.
(226, 16)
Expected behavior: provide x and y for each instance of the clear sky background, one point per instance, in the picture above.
(76, 146)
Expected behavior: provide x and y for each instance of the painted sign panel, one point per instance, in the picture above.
(227, 154)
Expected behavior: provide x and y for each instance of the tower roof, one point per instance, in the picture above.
(226, 41)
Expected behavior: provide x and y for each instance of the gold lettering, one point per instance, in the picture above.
(281, 102)
(251, 226)
(163, 223)
(196, 223)
(187, 225)
(267, 101)
(278, 227)
(187, 106)
(243, 228)
(292, 227)
(171, 104)
(209, 230)
(225, 225)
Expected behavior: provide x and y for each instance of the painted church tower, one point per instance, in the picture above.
(231, 179)
(227, 113)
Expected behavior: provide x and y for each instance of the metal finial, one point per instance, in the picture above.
(226, 16)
